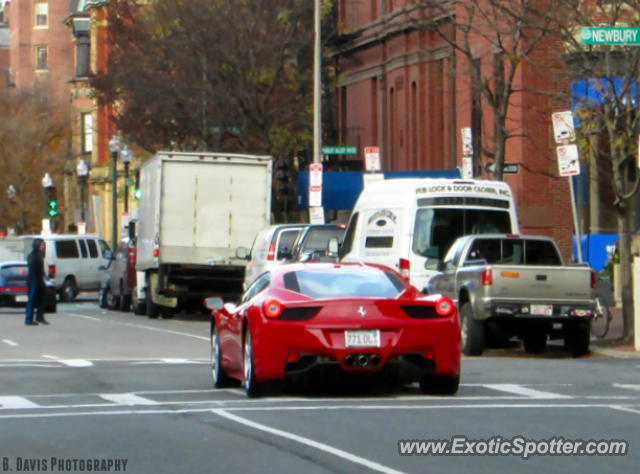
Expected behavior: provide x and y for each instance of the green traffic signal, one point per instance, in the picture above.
(137, 193)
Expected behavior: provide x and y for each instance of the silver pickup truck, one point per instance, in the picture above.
(512, 285)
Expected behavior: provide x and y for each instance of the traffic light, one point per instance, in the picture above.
(284, 175)
(137, 192)
(52, 199)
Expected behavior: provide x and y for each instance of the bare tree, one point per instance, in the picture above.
(211, 74)
(34, 140)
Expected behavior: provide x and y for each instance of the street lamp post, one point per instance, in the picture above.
(82, 170)
(126, 159)
(114, 147)
(317, 87)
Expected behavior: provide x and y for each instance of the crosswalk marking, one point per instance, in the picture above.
(11, 343)
(628, 386)
(17, 402)
(127, 399)
(527, 392)
(76, 363)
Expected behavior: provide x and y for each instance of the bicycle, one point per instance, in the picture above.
(602, 311)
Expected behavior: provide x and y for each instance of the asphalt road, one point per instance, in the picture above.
(107, 386)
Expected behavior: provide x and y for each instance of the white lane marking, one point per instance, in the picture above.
(627, 386)
(160, 330)
(11, 343)
(374, 466)
(17, 402)
(83, 316)
(627, 409)
(353, 407)
(76, 363)
(527, 392)
(50, 357)
(127, 399)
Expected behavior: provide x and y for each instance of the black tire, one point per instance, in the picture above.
(125, 301)
(218, 374)
(473, 332)
(153, 310)
(253, 387)
(52, 307)
(139, 309)
(535, 342)
(102, 302)
(577, 338)
(443, 385)
(113, 302)
(69, 290)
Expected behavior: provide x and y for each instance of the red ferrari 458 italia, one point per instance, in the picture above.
(300, 319)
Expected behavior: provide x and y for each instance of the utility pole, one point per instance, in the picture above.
(317, 88)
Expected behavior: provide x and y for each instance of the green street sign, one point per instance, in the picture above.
(611, 35)
(339, 150)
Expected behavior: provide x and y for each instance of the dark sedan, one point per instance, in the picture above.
(13, 287)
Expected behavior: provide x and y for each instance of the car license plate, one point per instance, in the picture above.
(362, 338)
(21, 299)
(542, 310)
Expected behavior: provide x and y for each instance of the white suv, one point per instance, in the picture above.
(269, 249)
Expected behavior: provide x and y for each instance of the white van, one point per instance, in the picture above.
(409, 224)
(74, 263)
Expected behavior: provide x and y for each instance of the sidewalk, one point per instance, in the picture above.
(609, 346)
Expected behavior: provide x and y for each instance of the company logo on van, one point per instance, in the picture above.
(464, 188)
(384, 213)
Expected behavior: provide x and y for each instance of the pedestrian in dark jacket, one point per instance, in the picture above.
(36, 286)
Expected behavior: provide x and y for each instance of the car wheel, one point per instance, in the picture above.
(69, 290)
(535, 342)
(113, 301)
(473, 332)
(252, 386)
(445, 385)
(125, 300)
(220, 377)
(153, 310)
(577, 338)
(102, 302)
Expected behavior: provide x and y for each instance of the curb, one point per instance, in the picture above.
(613, 353)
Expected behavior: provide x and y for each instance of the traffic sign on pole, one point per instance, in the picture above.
(315, 196)
(339, 150)
(611, 35)
(315, 174)
(568, 160)
(563, 127)
(372, 159)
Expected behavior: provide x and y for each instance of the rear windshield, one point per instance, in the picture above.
(16, 271)
(344, 284)
(318, 239)
(515, 252)
(287, 238)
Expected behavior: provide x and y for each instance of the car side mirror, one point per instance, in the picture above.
(108, 254)
(242, 253)
(333, 247)
(214, 303)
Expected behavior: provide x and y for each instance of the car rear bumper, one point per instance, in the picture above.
(290, 350)
(560, 312)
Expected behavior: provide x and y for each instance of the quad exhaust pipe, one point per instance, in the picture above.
(362, 360)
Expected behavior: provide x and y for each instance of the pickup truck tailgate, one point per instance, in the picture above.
(553, 284)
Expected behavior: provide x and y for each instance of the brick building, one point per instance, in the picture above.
(41, 50)
(403, 88)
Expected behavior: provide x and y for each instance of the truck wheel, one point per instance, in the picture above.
(473, 332)
(440, 384)
(535, 342)
(153, 310)
(577, 338)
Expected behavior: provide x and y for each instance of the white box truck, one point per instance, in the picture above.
(198, 214)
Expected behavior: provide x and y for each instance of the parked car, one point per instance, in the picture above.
(300, 320)
(510, 285)
(269, 249)
(312, 243)
(74, 263)
(119, 287)
(13, 287)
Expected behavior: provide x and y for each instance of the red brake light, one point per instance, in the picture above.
(487, 277)
(405, 266)
(593, 280)
(272, 309)
(52, 271)
(156, 253)
(271, 256)
(444, 306)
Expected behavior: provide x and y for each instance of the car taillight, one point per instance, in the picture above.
(272, 309)
(593, 280)
(156, 253)
(404, 268)
(487, 277)
(271, 256)
(444, 306)
(52, 271)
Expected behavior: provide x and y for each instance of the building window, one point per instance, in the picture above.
(42, 14)
(82, 56)
(87, 132)
(41, 58)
